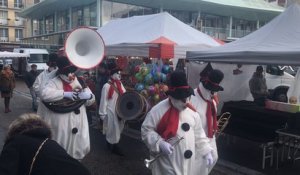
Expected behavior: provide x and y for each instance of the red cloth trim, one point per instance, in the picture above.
(111, 88)
(211, 114)
(179, 87)
(208, 80)
(168, 124)
(66, 86)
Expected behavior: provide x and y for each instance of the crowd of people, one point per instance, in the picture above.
(180, 128)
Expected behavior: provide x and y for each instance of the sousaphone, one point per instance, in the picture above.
(85, 49)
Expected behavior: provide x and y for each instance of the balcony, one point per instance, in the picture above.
(3, 21)
(18, 39)
(18, 5)
(19, 22)
(3, 39)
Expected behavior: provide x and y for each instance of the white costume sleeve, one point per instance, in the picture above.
(149, 135)
(202, 142)
(103, 100)
(51, 92)
(37, 83)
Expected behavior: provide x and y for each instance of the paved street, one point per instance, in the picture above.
(99, 160)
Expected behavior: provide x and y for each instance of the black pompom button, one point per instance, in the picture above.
(77, 111)
(188, 154)
(74, 130)
(185, 127)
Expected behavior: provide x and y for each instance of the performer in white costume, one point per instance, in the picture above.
(112, 125)
(69, 127)
(43, 78)
(205, 101)
(169, 120)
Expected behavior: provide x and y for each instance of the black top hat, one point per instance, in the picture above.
(178, 86)
(65, 66)
(213, 80)
(52, 60)
(204, 73)
(112, 68)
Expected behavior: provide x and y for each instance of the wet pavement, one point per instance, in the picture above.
(237, 157)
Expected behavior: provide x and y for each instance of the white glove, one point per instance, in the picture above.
(69, 95)
(209, 159)
(166, 147)
(84, 95)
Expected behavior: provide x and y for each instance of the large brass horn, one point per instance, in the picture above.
(222, 123)
(85, 48)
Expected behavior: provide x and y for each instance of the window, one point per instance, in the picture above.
(50, 24)
(3, 3)
(18, 4)
(77, 17)
(19, 33)
(62, 21)
(38, 58)
(36, 1)
(3, 14)
(3, 32)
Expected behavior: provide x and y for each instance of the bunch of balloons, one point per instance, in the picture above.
(150, 80)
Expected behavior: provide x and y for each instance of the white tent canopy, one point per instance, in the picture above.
(133, 36)
(278, 42)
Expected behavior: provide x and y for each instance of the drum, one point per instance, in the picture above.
(132, 106)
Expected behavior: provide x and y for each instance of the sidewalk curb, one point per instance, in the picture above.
(235, 168)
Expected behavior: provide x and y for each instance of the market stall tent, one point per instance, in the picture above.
(278, 42)
(159, 35)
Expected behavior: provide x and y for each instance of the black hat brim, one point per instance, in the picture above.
(181, 93)
(212, 87)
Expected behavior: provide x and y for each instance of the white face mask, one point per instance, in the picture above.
(116, 76)
(178, 104)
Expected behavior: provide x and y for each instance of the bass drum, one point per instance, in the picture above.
(132, 106)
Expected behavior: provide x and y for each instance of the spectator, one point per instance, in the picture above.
(29, 149)
(258, 86)
(29, 80)
(7, 84)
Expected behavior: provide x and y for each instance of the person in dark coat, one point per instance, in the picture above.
(29, 80)
(258, 86)
(7, 85)
(29, 150)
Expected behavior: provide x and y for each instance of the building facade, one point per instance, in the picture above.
(11, 24)
(49, 21)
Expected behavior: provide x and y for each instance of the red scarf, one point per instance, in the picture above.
(168, 125)
(210, 114)
(67, 87)
(111, 88)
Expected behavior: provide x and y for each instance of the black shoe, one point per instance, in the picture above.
(116, 150)
(109, 146)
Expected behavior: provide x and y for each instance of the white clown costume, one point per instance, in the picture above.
(43, 78)
(204, 97)
(194, 147)
(69, 129)
(112, 125)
